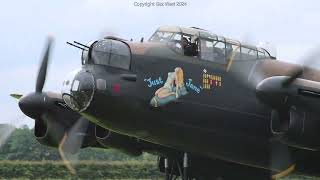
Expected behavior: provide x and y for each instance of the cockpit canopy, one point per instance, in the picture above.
(206, 45)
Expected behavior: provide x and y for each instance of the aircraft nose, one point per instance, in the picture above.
(32, 104)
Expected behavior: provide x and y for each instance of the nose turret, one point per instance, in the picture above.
(78, 90)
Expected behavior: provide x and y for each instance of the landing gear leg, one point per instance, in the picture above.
(185, 166)
(166, 170)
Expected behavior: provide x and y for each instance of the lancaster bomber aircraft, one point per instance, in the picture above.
(208, 106)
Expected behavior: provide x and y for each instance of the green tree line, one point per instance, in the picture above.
(22, 145)
(23, 157)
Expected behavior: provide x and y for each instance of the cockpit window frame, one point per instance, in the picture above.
(253, 51)
(205, 34)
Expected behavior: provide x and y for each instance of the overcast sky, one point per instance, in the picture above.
(292, 27)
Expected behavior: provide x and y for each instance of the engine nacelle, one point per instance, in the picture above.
(49, 132)
(52, 127)
(126, 144)
(297, 127)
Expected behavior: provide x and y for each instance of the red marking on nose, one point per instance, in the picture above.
(116, 88)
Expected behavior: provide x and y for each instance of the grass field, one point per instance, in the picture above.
(132, 169)
(128, 170)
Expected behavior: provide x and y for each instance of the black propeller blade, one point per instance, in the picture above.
(43, 67)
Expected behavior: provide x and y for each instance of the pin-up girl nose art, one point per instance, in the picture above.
(173, 88)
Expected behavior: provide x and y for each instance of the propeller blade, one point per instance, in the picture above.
(5, 133)
(281, 160)
(7, 129)
(71, 144)
(65, 157)
(43, 67)
(17, 96)
(307, 61)
(295, 74)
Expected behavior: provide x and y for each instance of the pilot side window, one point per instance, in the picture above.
(206, 49)
(261, 55)
(213, 51)
(232, 52)
(219, 52)
(248, 54)
(253, 54)
(235, 54)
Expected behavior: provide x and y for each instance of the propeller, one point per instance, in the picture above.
(280, 153)
(71, 143)
(37, 106)
(281, 158)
